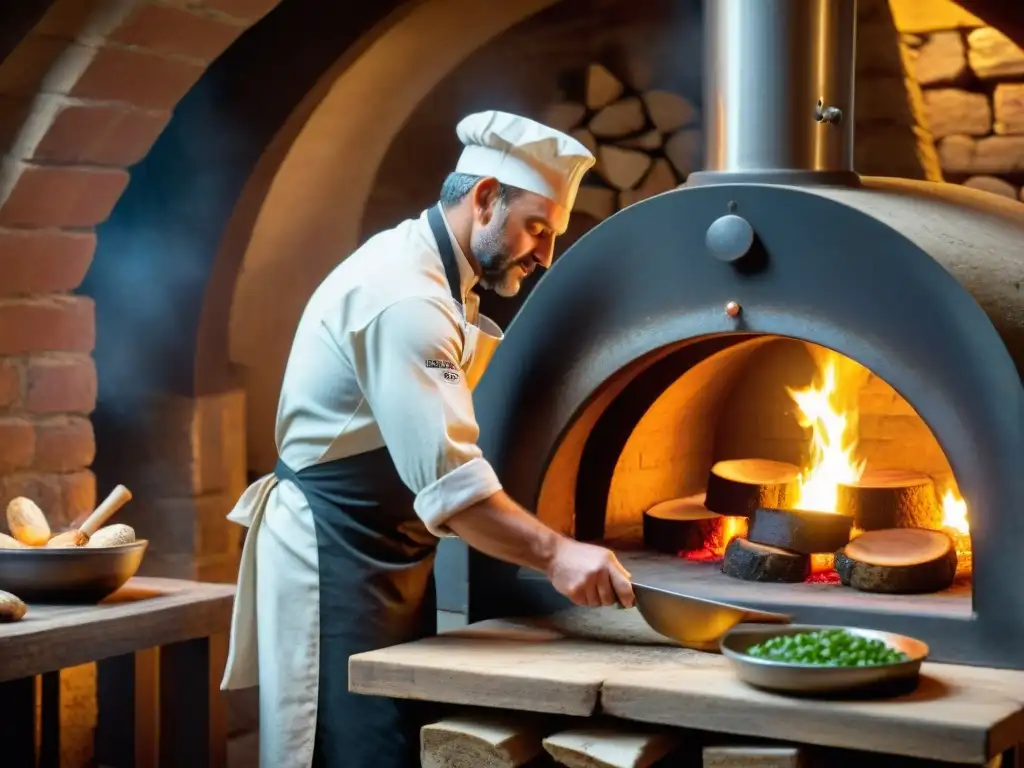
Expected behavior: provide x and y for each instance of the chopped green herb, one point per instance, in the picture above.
(828, 648)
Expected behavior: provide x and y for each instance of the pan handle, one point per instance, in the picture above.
(765, 617)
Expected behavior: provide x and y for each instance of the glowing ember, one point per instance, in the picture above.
(714, 548)
(833, 442)
(822, 577)
(731, 528)
(823, 563)
(704, 555)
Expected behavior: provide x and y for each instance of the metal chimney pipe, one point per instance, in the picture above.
(779, 91)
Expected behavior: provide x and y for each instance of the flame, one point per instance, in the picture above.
(833, 442)
(731, 528)
(954, 512)
(714, 548)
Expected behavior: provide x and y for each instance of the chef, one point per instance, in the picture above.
(378, 451)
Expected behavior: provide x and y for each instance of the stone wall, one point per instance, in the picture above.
(972, 80)
(632, 51)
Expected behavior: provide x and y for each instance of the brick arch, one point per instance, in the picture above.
(84, 93)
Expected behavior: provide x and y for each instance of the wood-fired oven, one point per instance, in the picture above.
(781, 334)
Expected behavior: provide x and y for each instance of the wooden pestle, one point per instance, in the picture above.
(79, 537)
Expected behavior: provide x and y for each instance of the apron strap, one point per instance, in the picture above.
(284, 472)
(444, 245)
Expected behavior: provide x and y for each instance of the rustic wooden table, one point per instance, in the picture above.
(958, 714)
(159, 645)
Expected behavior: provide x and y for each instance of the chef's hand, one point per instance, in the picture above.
(589, 575)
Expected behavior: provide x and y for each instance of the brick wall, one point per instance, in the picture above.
(972, 79)
(82, 98)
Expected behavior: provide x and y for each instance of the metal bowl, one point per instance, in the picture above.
(71, 575)
(813, 679)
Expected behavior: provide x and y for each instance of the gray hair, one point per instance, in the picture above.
(458, 185)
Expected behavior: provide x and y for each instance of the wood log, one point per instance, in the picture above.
(622, 168)
(797, 530)
(891, 498)
(669, 111)
(737, 487)
(597, 202)
(898, 561)
(481, 740)
(564, 116)
(755, 562)
(607, 747)
(683, 149)
(650, 140)
(602, 87)
(753, 757)
(660, 179)
(618, 119)
(682, 525)
(586, 138)
(638, 72)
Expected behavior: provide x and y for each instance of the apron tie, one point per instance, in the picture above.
(242, 667)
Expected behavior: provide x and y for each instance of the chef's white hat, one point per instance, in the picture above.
(523, 153)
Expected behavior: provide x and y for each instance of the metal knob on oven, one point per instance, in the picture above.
(729, 238)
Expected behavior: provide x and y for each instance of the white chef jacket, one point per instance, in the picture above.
(376, 361)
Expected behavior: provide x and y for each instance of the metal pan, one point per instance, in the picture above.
(695, 622)
(807, 679)
(72, 575)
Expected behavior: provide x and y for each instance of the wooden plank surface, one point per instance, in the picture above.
(499, 664)
(146, 612)
(958, 714)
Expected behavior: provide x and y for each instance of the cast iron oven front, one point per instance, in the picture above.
(821, 271)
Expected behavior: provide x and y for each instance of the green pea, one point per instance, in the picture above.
(830, 647)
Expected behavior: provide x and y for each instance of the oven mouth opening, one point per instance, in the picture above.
(673, 459)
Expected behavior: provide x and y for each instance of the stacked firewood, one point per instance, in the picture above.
(509, 739)
(646, 141)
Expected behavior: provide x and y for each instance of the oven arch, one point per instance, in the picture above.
(832, 275)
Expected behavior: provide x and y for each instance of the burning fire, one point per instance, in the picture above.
(954, 512)
(828, 407)
(714, 548)
(833, 441)
(830, 411)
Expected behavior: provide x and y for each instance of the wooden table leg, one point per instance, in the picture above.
(191, 704)
(18, 722)
(127, 707)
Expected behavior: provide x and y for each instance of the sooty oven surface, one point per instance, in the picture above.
(879, 276)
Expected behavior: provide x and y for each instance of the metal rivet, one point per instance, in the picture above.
(732, 309)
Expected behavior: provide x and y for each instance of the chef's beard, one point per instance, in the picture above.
(499, 269)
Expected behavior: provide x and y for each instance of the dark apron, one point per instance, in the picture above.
(375, 562)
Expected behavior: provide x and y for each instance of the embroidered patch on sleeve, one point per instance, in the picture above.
(448, 369)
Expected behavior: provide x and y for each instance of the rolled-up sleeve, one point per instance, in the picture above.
(409, 367)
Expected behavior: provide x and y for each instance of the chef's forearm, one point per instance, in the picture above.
(499, 527)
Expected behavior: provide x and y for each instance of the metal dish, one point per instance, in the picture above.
(72, 575)
(813, 679)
